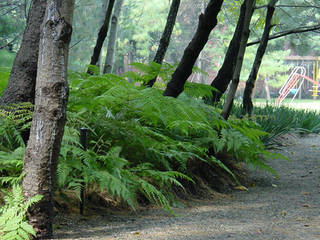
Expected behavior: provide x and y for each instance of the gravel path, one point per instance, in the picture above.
(272, 209)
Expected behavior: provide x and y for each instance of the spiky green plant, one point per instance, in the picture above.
(277, 121)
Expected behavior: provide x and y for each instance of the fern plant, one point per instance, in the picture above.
(165, 132)
(14, 118)
(13, 222)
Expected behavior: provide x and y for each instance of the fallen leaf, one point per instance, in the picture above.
(241, 188)
(306, 193)
(283, 213)
(306, 205)
(273, 185)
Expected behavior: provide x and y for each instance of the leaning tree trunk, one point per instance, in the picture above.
(112, 37)
(250, 4)
(207, 22)
(21, 86)
(41, 156)
(247, 106)
(166, 36)
(104, 6)
(224, 77)
(101, 36)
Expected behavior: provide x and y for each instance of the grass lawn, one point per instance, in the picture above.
(307, 104)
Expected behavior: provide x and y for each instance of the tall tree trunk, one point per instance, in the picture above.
(166, 36)
(199, 76)
(21, 86)
(266, 87)
(104, 5)
(247, 95)
(101, 36)
(207, 22)
(41, 156)
(250, 5)
(112, 37)
(224, 77)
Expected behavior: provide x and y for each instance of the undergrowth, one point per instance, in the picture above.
(140, 143)
(280, 120)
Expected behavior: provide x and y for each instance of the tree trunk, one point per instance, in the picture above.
(224, 77)
(101, 36)
(112, 38)
(266, 87)
(21, 86)
(41, 156)
(166, 36)
(207, 22)
(104, 5)
(247, 95)
(250, 4)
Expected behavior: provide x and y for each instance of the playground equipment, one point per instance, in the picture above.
(294, 84)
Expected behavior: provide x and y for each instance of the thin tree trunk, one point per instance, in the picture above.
(199, 65)
(199, 75)
(247, 95)
(21, 86)
(101, 36)
(266, 87)
(104, 6)
(224, 77)
(207, 22)
(41, 156)
(250, 4)
(166, 36)
(112, 38)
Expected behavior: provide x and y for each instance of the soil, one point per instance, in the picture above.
(287, 207)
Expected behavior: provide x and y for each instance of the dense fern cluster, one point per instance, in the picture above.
(139, 141)
(166, 133)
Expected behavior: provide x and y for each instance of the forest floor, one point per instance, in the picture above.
(287, 207)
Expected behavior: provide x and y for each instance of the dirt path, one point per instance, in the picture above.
(272, 209)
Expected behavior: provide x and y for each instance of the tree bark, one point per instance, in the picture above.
(224, 77)
(112, 38)
(166, 36)
(22, 81)
(104, 6)
(266, 87)
(250, 4)
(207, 22)
(247, 105)
(41, 156)
(101, 36)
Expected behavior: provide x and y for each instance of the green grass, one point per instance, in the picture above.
(6, 58)
(301, 116)
(306, 104)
